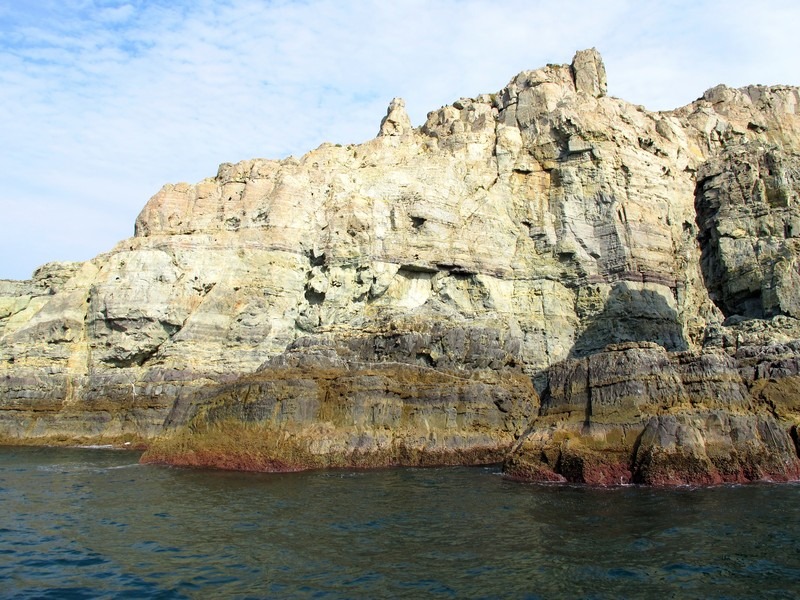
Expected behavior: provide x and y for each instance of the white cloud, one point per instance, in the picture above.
(105, 101)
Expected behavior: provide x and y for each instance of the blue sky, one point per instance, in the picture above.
(104, 101)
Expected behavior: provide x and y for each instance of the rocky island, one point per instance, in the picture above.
(545, 276)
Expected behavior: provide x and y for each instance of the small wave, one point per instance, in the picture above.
(82, 468)
(123, 446)
(64, 468)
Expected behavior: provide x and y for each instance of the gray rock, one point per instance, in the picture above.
(590, 73)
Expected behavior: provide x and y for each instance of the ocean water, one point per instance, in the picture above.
(78, 523)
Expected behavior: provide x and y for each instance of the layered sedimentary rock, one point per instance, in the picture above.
(547, 274)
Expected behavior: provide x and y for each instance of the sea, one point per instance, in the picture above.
(94, 523)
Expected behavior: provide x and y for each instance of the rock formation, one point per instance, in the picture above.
(547, 276)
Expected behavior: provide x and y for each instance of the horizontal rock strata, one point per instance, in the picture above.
(636, 413)
(546, 275)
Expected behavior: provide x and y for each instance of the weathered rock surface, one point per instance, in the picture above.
(592, 290)
(748, 207)
(637, 413)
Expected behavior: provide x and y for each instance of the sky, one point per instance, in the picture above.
(104, 101)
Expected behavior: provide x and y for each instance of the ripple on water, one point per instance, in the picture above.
(79, 523)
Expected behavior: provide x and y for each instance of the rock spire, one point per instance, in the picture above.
(396, 121)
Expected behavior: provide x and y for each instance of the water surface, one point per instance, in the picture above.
(80, 523)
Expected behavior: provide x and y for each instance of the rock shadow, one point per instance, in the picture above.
(632, 314)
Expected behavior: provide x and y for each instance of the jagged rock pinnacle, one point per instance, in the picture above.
(589, 73)
(396, 121)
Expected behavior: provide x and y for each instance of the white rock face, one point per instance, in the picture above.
(556, 216)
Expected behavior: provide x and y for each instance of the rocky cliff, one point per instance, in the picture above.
(547, 276)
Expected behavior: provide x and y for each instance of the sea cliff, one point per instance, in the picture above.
(545, 276)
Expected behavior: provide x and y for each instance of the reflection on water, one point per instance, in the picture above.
(85, 524)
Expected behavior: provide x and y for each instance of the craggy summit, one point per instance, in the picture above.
(546, 276)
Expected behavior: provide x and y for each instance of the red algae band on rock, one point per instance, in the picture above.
(544, 276)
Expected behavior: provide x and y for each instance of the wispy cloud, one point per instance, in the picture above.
(104, 101)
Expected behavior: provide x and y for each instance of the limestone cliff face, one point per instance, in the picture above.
(545, 271)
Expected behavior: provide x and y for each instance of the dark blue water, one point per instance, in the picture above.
(95, 524)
